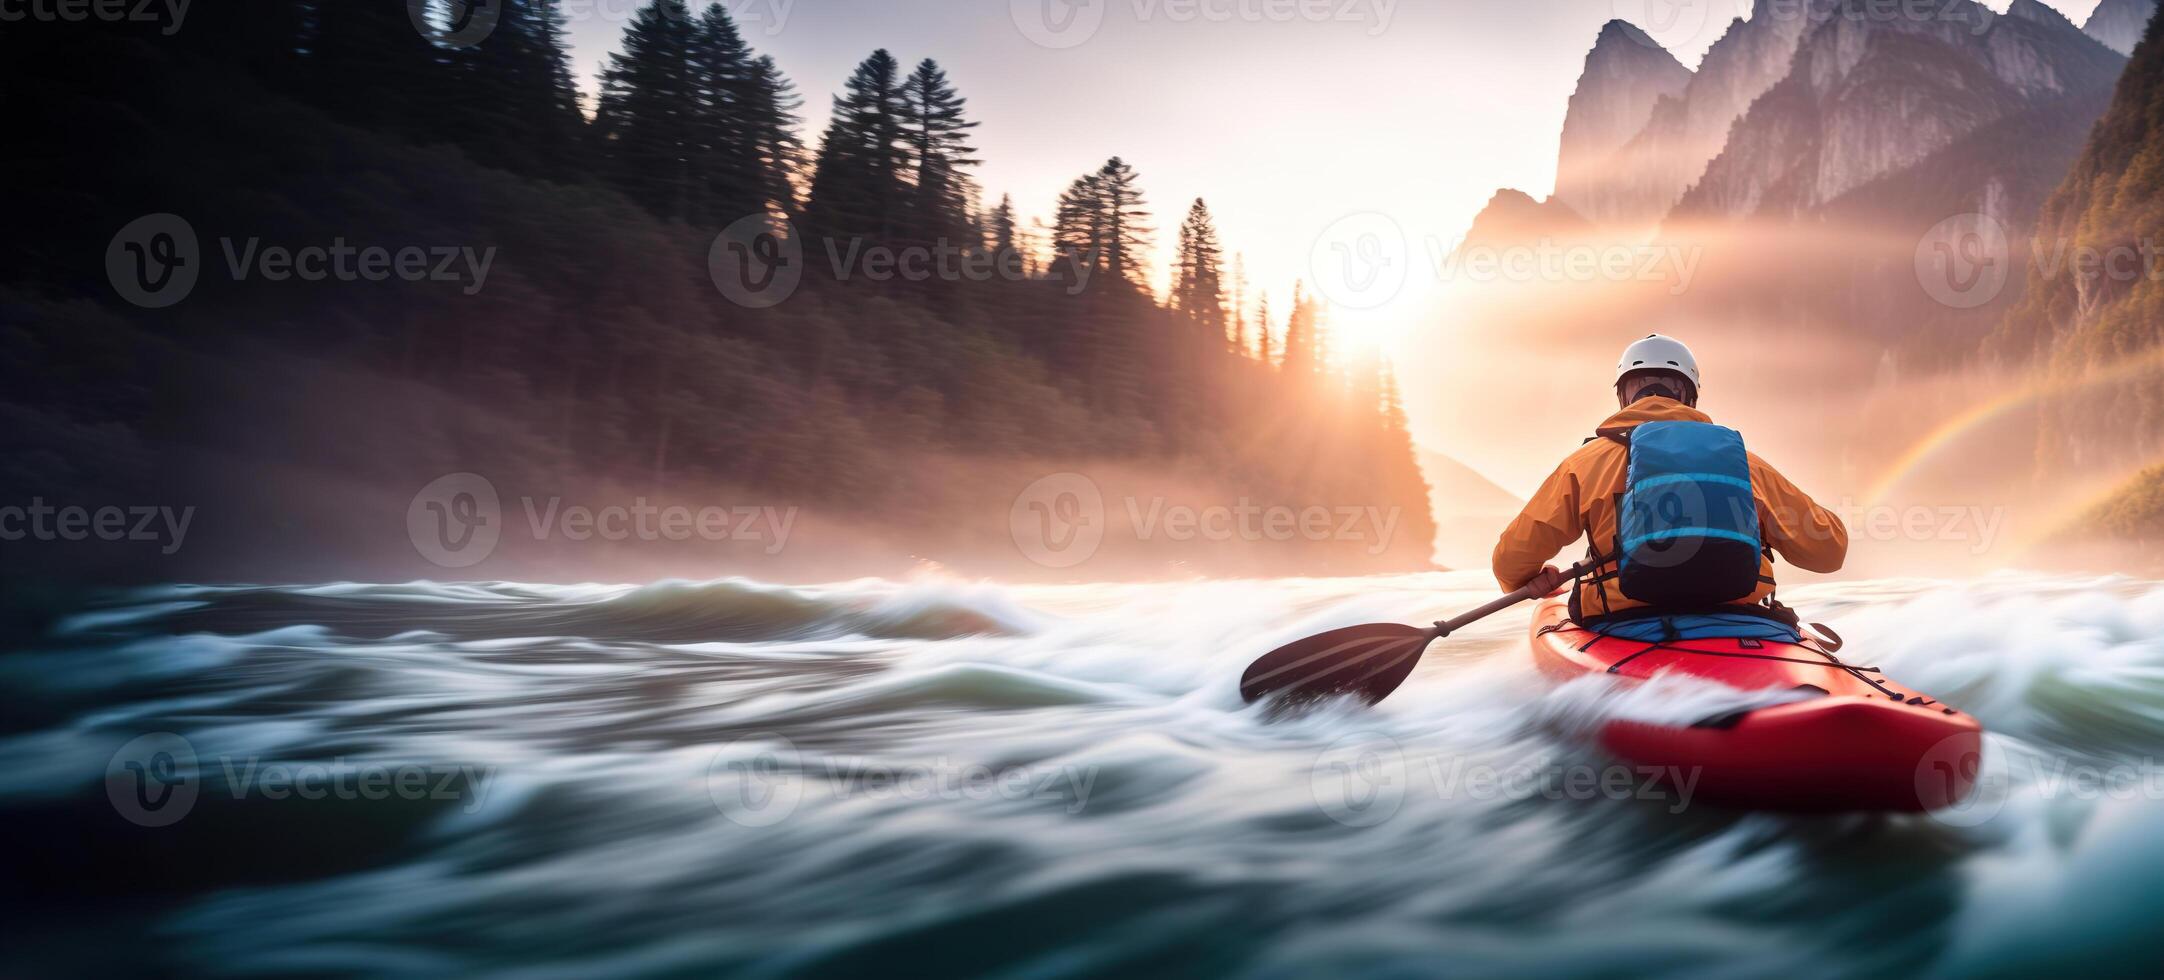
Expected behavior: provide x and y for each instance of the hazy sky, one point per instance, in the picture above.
(1286, 115)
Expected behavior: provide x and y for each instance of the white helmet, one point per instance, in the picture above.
(1658, 353)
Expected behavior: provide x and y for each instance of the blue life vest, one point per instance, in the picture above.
(1687, 531)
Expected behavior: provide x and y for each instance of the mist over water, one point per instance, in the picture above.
(933, 777)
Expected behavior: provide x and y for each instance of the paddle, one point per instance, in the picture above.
(1369, 661)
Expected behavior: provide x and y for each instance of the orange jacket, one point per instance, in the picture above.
(1580, 498)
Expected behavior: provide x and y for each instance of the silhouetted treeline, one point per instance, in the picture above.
(598, 347)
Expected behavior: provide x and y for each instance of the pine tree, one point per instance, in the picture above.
(1393, 406)
(1198, 278)
(1006, 249)
(514, 103)
(265, 39)
(1102, 225)
(769, 116)
(649, 101)
(619, 358)
(1239, 340)
(1298, 358)
(858, 188)
(1321, 358)
(1079, 229)
(1125, 217)
(940, 154)
(724, 169)
(370, 68)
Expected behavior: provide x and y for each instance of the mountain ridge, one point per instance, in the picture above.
(1651, 172)
(1867, 98)
(1626, 75)
(2119, 24)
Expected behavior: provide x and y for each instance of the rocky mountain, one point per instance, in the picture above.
(1626, 74)
(1837, 140)
(2120, 23)
(1870, 93)
(1650, 173)
(1512, 219)
(2004, 171)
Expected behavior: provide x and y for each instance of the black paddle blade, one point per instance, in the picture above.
(1366, 661)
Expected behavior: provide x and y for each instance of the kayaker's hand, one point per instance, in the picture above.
(1549, 583)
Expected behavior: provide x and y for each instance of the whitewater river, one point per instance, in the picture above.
(939, 779)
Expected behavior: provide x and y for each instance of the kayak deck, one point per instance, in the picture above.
(1857, 742)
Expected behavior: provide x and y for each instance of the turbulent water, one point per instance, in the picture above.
(937, 778)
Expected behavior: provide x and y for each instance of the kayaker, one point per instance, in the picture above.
(1705, 517)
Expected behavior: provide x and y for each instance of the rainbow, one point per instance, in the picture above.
(1951, 430)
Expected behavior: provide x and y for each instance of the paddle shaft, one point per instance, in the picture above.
(1369, 661)
(1449, 626)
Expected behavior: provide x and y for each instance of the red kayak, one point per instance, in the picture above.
(1856, 742)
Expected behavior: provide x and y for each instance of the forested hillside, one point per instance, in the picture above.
(2094, 317)
(599, 353)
